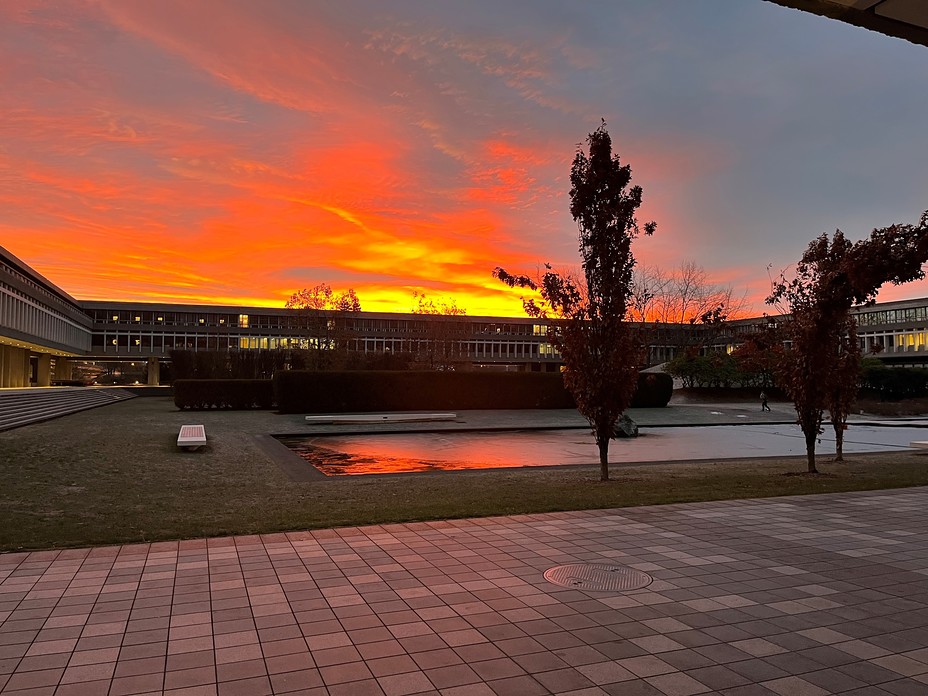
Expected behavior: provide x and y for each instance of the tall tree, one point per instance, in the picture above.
(587, 314)
(443, 330)
(322, 313)
(833, 276)
(844, 385)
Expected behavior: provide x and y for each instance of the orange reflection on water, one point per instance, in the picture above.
(400, 452)
(417, 452)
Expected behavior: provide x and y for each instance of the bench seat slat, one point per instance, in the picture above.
(191, 436)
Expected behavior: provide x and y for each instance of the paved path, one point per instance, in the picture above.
(673, 415)
(791, 596)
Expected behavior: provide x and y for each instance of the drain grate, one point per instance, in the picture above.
(597, 576)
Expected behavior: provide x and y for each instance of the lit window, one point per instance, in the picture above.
(243, 321)
(138, 341)
(114, 341)
(202, 321)
(115, 317)
(160, 318)
(138, 318)
(222, 321)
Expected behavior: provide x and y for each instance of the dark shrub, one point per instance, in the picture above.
(183, 364)
(654, 390)
(237, 394)
(339, 392)
(894, 383)
(342, 392)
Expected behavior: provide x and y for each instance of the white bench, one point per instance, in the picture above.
(191, 436)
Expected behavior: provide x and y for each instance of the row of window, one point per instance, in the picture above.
(892, 316)
(294, 320)
(145, 343)
(37, 291)
(45, 325)
(900, 341)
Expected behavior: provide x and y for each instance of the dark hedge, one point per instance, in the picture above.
(238, 394)
(343, 392)
(894, 383)
(654, 390)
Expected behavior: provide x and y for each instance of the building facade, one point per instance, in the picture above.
(41, 327)
(124, 330)
(45, 334)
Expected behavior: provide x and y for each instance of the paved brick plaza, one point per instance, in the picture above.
(790, 596)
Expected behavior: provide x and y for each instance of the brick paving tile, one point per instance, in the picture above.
(758, 690)
(794, 686)
(91, 688)
(404, 684)
(31, 664)
(480, 689)
(298, 680)
(129, 686)
(131, 668)
(646, 666)
(346, 672)
(258, 686)
(387, 648)
(678, 684)
(366, 687)
(749, 598)
(196, 676)
(605, 673)
(478, 652)
(563, 680)
(31, 680)
(454, 675)
(289, 663)
(246, 669)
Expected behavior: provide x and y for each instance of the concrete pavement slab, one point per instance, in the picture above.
(815, 594)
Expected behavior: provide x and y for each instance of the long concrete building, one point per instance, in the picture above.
(47, 336)
(39, 324)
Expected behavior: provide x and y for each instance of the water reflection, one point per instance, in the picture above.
(337, 455)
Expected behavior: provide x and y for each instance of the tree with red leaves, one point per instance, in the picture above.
(833, 276)
(321, 316)
(587, 315)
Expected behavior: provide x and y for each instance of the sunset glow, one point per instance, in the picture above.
(235, 152)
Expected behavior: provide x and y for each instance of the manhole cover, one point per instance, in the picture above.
(597, 576)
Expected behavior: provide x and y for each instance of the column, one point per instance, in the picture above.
(4, 366)
(44, 374)
(14, 370)
(154, 371)
(26, 368)
(63, 368)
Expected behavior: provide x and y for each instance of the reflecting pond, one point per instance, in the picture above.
(338, 455)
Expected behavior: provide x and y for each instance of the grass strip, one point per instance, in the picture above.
(114, 475)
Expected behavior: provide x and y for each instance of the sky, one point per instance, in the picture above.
(234, 152)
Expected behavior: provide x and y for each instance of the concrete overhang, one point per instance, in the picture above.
(903, 19)
(19, 342)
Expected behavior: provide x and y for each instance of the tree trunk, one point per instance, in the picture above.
(603, 443)
(810, 451)
(839, 440)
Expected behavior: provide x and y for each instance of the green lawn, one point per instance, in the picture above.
(114, 475)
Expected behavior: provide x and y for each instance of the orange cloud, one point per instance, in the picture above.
(227, 152)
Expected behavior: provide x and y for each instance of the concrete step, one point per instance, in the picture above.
(20, 406)
(23, 407)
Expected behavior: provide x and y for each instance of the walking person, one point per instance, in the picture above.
(763, 402)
